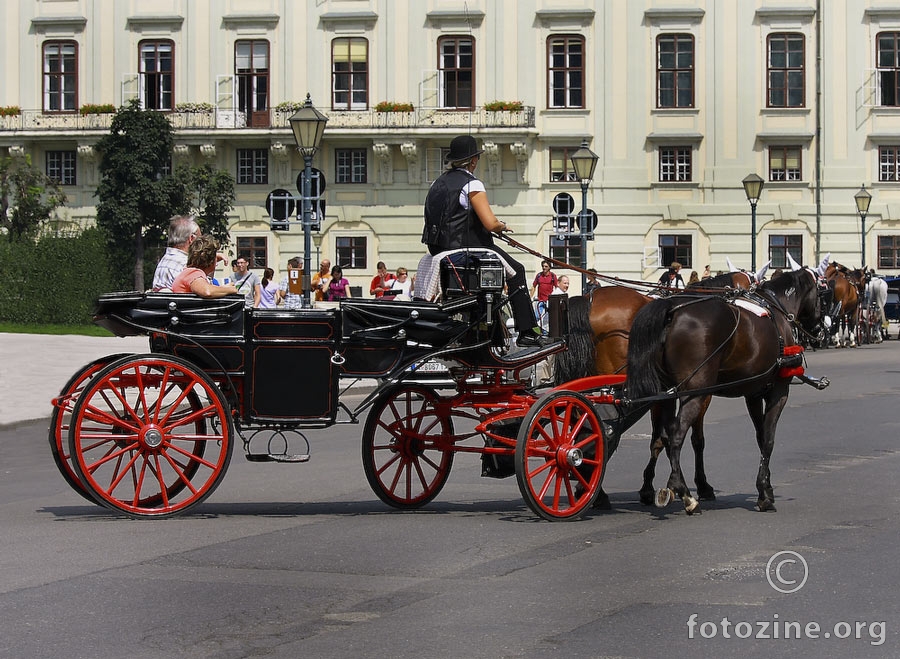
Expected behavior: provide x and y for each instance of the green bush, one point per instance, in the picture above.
(54, 280)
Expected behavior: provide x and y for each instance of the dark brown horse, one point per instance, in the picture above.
(848, 287)
(685, 348)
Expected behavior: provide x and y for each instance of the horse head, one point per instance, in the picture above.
(799, 295)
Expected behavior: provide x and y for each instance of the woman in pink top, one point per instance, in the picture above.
(200, 265)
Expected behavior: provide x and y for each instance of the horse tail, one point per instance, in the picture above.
(645, 348)
(577, 361)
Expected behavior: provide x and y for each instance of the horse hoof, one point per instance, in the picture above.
(691, 506)
(602, 501)
(647, 497)
(766, 506)
(664, 496)
(706, 494)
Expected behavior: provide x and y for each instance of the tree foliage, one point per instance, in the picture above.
(27, 198)
(135, 199)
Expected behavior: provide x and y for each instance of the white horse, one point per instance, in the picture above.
(876, 292)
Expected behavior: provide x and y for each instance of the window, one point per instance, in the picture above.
(253, 249)
(251, 74)
(781, 246)
(889, 163)
(785, 71)
(784, 163)
(351, 252)
(565, 72)
(350, 166)
(157, 75)
(252, 165)
(349, 74)
(60, 76)
(61, 167)
(456, 72)
(675, 163)
(888, 62)
(889, 251)
(561, 163)
(675, 248)
(675, 71)
(566, 249)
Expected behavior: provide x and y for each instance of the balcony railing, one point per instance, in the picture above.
(36, 120)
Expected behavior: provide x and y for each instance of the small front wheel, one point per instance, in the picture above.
(403, 454)
(560, 456)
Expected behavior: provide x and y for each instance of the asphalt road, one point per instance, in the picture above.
(304, 561)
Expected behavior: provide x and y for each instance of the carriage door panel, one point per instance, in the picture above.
(293, 377)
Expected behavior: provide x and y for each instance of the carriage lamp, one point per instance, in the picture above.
(753, 185)
(584, 161)
(308, 125)
(863, 199)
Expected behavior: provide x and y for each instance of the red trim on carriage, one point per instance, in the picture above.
(792, 350)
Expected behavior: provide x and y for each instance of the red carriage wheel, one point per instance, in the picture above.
(62, 414)
(403, 455)
(560, 455)
(150, 436)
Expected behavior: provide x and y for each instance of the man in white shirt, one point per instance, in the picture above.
(183, 230)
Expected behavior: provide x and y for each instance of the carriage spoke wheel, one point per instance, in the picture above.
(62, 415)
(560, 456)
(150, 436)
(402, 452)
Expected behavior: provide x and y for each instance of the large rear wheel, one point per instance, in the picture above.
(404, 464)
(150, 436)
(560, 455)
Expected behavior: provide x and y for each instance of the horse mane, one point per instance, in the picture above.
(648, 333)
(577, 361)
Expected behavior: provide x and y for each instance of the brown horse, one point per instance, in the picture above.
(684, 348)
(848, 287)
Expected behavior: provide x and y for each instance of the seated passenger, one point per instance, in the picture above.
(201, 263)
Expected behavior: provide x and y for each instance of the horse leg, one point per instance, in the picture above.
(705, 491)
(765, 412)
(677, 431)
(659, 419)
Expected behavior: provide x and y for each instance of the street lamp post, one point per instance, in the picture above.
(753, 185)
(308, 124)
(863, 199)
(584, 161)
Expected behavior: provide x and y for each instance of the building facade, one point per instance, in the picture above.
(680, 99)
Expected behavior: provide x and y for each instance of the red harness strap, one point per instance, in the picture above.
(791, 362)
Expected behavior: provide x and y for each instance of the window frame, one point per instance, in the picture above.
(353, 77)
(143, 84)
(675, 71)
(65, 164)
(356, 250)
(567, 175)
(677, 251)
(782, 150)
(61, 76)
(358, 166)
(885, 73)
(792, 244)
(247, 84)
(894, 151)
(567, 71)
(250, 248)
(256, 169)
(456, 71)
(566, 248)
(893, 249)
(786, 70)
(673, 171)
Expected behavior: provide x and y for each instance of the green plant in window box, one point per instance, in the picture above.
(97, 108)
(507, 106)
(393, 106)
(194, 107)
(288, 106)
(10, 111)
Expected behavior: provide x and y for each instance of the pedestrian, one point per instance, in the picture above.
(381, 282)
(183, 230)
(268, 290)
(201, 262)
(694, 278)
(401, 285)
(247, 283)
(292, 299)
(338, 286)
(592, 282)
(458, 214)
(562, 286)
(319, 284)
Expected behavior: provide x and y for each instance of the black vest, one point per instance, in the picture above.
(449, 224)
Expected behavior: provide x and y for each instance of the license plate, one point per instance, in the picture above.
(430, 367)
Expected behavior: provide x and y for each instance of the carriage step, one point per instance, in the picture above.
(277, 457)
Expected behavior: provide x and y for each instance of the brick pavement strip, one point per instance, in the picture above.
(34, 367)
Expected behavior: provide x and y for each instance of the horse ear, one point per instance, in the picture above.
(762, 271)
(794, 265)
(820, 270)
(730, 265)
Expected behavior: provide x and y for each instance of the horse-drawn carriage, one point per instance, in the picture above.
(151, 435)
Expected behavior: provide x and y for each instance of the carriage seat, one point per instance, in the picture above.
(134, 313)
(456, 272)
(431, 323)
